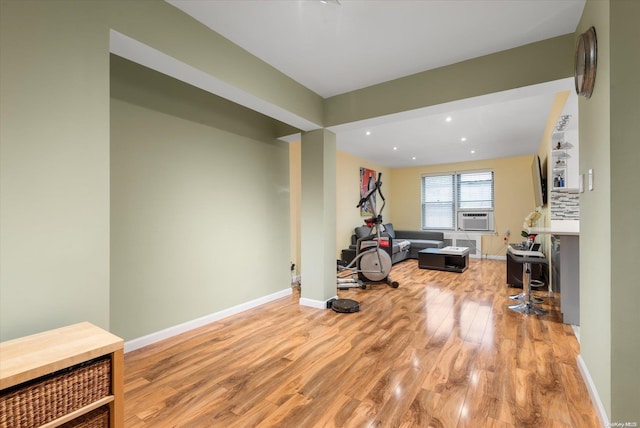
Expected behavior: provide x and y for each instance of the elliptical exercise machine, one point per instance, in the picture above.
(372, 263)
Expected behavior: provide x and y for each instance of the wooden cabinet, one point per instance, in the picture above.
(70, 377)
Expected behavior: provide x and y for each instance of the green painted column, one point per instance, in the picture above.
(318, 219)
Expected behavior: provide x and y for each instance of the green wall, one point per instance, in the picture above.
(54, 206)
(55, 154)
(318, 216)
(595, 214)
(625, 158)
(609, 292)
(199, 198)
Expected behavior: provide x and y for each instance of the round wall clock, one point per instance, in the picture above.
(586, 62)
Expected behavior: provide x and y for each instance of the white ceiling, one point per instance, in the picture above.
(340, 46)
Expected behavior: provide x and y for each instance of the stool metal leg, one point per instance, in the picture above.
(520, 297)
(533, 283)
(527, 306)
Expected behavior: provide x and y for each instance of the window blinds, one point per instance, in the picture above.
(444, 194)
(475, 190)
(438, 210)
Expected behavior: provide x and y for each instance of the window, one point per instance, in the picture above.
(444, 195)
(475, 190)
(438, 211)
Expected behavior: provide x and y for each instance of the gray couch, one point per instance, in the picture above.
(405, 244)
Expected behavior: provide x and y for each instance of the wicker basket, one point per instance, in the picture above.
(45, 399)
(98, 418)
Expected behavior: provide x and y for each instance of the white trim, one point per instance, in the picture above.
(593, 392)
(494, 257)
(140, 342)
(312, 303)
(576, 331)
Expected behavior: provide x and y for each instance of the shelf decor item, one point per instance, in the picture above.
(586, 62)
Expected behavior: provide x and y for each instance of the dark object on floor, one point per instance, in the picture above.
(345, 305)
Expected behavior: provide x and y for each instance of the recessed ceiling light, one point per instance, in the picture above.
(463, 139)
(368, 132)
(473, 151)
(395, 148)
(414, 158)
(448, 119)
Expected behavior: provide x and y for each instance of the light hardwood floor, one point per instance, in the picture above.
(442, 350)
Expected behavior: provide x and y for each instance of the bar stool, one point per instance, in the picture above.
(527, 306)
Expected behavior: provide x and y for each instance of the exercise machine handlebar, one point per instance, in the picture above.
(372, 190)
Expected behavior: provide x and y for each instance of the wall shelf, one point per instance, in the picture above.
(563, 166)
(560, 154)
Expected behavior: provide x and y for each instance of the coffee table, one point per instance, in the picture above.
(451, 259)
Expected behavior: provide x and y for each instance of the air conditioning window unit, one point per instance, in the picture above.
(475, 220)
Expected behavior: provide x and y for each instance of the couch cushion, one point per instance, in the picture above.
(388, 228)
(419, 234)
(426, 243)
(362, 232)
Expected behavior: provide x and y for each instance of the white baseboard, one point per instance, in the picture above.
(593, 392)
(318, 304)
(143, 341)
(576, 331)
(493, 257)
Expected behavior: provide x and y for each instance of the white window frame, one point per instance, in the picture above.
(451, 197)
